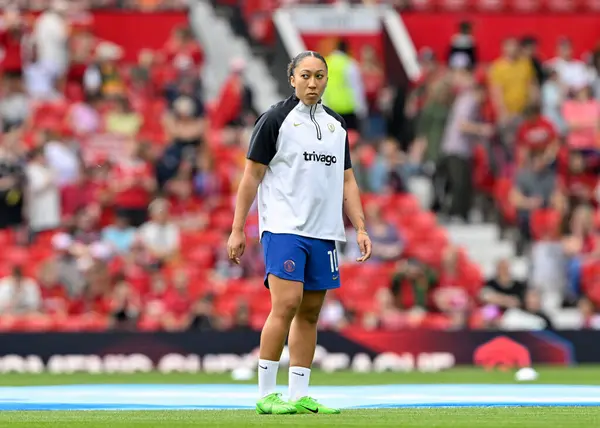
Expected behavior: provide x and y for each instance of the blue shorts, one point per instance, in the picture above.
(311, 261)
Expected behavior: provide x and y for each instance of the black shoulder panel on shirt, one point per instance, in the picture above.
(347, 160)
(263, 142)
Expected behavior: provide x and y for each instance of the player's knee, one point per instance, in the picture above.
(309, 315)
(286, 308)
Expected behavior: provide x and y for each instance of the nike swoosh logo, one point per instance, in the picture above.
(311, 410)
(335, 277)
(265, 367)
(299, 374)
(297, 124)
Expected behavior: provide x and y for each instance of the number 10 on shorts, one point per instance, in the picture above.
(333, 260)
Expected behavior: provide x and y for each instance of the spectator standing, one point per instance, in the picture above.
(345, 93)
(43, 207)
(465, 128)
(50, 36)
(512, 81)
(529, 46)
(553, 96)
(463, 44)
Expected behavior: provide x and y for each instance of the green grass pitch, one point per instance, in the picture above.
(481, 417)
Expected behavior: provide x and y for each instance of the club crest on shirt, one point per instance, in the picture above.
(289, 266)
(331, 127)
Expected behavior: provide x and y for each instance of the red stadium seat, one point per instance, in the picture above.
(545, 224)
(452, 5)
(562, 5)
(526, 6)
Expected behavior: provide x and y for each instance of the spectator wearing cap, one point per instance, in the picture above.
(43, 208)
(513, 87)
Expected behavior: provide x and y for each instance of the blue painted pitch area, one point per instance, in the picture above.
(175, 397)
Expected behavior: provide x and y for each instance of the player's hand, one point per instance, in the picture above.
(364, 243)
(236, 246)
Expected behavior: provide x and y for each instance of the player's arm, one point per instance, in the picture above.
(352, 203)
(253, 175)
(261, 150)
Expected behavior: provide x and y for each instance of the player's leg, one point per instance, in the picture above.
(285, 261)
(322, 274)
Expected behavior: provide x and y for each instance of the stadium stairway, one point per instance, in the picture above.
(484, 246)
(222, 46)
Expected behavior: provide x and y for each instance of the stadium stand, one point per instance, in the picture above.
(117, 181)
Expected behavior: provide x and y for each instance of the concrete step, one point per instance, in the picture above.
(476, 233)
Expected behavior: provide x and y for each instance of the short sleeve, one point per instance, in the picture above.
(347, 160)
(263, 142)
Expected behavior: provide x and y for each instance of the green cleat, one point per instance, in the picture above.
(310, 405)
(272, 404)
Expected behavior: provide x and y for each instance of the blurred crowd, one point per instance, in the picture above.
(513, 141)
(142, 5)
(113, 210)
(117, 184)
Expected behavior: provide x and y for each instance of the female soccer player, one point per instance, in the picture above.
(299, 163)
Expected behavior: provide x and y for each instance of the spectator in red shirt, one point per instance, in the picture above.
(579, 183)
(12, 34)
(77, 195)
(181, 49)
(450, 296)
(132, 184)
(154, 305)
(178, 303)
(536, 133)
(185, 208)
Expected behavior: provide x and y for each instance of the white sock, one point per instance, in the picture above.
(299, 379)
(267, 377)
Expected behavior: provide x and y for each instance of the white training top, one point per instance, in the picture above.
(306, 151)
